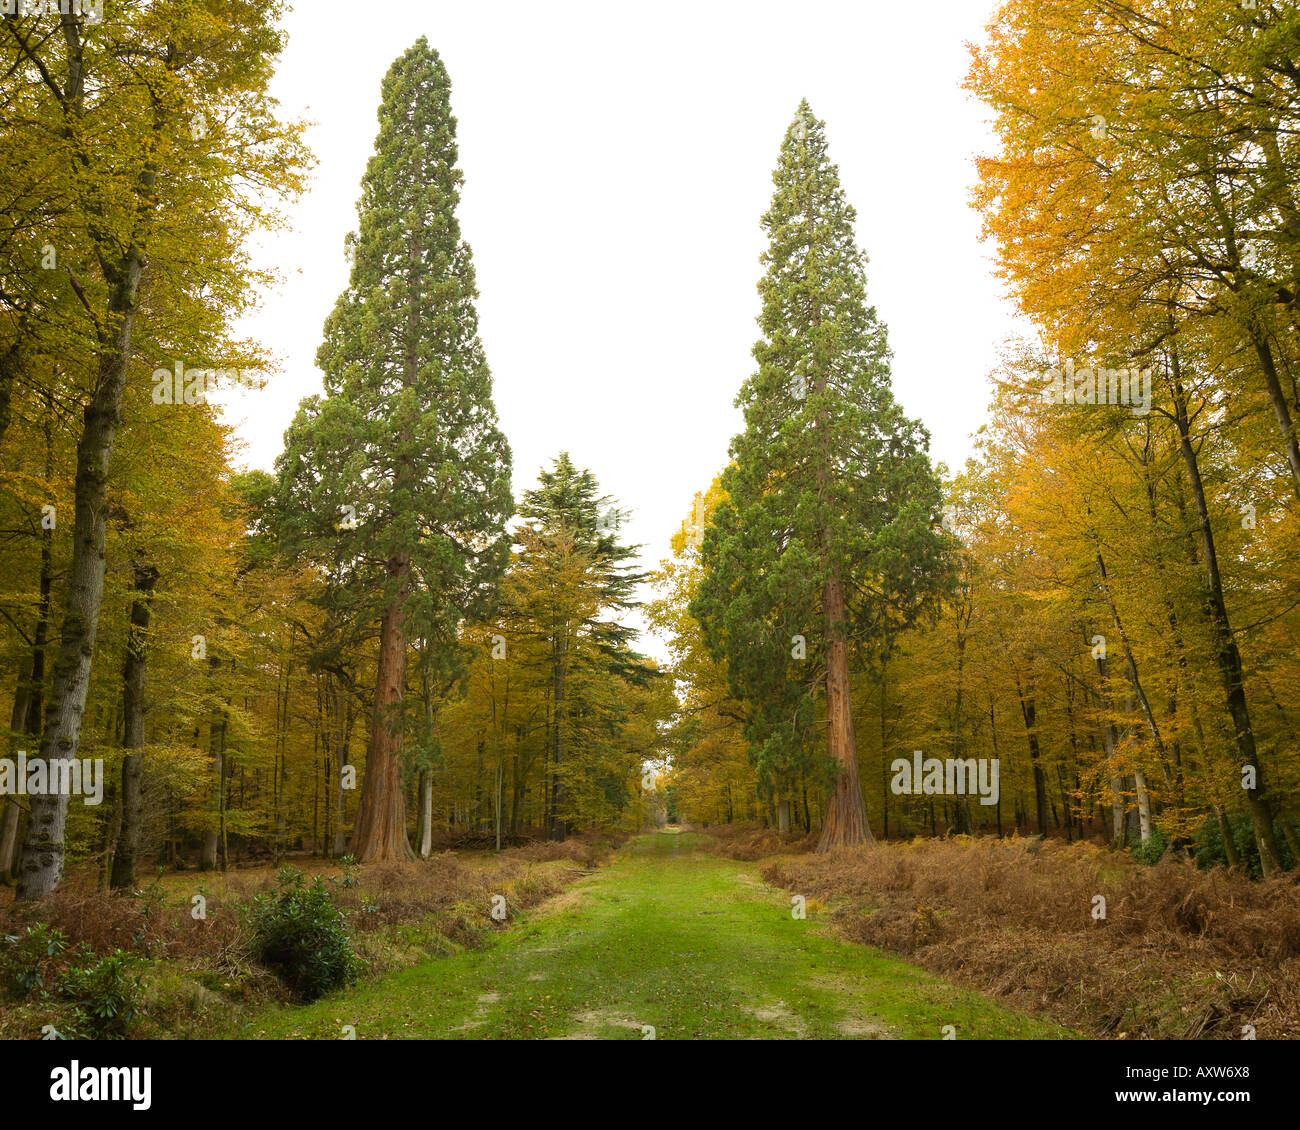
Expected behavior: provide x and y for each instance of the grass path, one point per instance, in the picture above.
(669, 937)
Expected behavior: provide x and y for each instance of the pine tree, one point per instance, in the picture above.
(572, 526)
(399, 478)
(827, 537)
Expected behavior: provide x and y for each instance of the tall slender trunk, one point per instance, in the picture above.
(1143, 805)
(1173, 681)
(1277, 398)
(884, 752)
(1138, 692)
(327, 736)
(28, 695)
(43, 853)
(213, 854)
(1229, 844)
(557, 828)
(380, 832)
(1226, 655)
(10, 812)
(345, 742)
(993, 734)
(1029, 712)
(965, 822)
(846, 816)
(11, 366)
(426, 813)
(122, 876)
(516, 787)
(1118, 806)
(10, 815)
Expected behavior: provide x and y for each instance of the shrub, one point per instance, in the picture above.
(1209, 849)
(351, 872)
(105, 995)
(25, 958)
(1154, 849)
(300, 934)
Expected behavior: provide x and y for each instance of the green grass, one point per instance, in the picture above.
(696, 946)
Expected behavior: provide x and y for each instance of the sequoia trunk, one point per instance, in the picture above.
(846, 815)
(380, 832)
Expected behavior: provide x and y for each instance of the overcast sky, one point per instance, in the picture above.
(617, 160)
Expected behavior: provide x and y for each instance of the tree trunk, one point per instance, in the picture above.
(31, 694)
(1118, 805)
(43, 852)
(380, 832)
(993, 734)
(1029, 711)
(516, 789)
(1292, 840)
(122, 876)
(1229, 844)
(1143, 806)
(884, 753)
(210, 856)
(557, 829)
(345, 742)
(846, 816)
(1277, 398)
(10, 812)
(1226, 655)
(426, 813)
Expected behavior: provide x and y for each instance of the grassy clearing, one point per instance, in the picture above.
(666, 936)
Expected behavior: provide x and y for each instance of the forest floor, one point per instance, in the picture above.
(667, 941)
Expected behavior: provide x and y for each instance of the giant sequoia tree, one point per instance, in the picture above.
(398, 479)
(828, 536)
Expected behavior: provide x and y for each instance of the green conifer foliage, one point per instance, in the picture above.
(828, 537)
(397, 480)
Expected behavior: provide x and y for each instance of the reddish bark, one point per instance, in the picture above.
(380, 830)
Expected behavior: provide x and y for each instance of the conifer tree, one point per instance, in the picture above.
(571, 525)
(827, 538)
(398, 478)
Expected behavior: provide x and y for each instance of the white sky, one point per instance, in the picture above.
(617, 159)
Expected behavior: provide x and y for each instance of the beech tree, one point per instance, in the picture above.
(1142, 197)
(112, 111)
(398, 476)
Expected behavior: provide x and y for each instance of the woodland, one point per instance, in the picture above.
(374, 652)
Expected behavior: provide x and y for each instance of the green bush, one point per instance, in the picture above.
(105, 995)
(1154, 849)
(351, 872)
(26, 958)
(1209, 849)
(300, 934)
